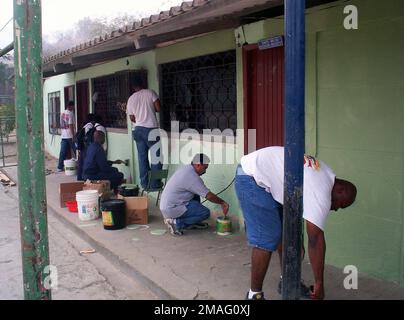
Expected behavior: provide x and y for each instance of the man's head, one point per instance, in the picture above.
(137, 83)
(200, 162)
(343, 194)
(70, 105)
(99, 137)
(90, 117)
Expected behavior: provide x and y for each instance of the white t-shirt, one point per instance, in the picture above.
(267, 167)
(141, 105)
(66, 119)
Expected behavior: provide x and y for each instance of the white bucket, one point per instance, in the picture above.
(87, 204)
(70, 167)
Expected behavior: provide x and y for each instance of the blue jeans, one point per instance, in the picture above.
(65, 146)
(195, 213)
(143, 144)
(262, 214)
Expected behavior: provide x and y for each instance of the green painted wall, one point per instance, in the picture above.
(354, 117)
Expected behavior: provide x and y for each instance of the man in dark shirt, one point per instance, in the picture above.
(97, 167)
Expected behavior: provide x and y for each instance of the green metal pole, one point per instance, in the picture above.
(31, 162)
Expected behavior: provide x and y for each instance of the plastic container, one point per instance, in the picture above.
(223, 226)
(88, 205)
(128, 190)
(113, 214)
(70, 167)
(72, 206)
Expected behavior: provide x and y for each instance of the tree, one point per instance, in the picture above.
(84, 30)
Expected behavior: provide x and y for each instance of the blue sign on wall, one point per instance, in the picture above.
(270, 43)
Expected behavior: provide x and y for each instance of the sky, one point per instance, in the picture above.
(59, 15)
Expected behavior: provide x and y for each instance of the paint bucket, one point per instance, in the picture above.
(223, 226)
(87, 204)
(70, 167)
(113, 214)
(128, 190)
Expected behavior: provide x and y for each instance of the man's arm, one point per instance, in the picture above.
(71, 126)
(102, 161)
(215, 199)
(157, 105)
(316, 246)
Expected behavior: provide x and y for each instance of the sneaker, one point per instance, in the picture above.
(256, 296)
(198, 226)
(305, 291)
(173, 227)
(60, 170)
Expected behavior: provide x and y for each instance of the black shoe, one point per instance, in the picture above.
(198, 226)
(304, 290)
(256, 296)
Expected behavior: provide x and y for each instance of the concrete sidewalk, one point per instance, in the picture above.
(198, 265)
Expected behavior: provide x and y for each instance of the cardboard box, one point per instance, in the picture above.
(137, 210)
(102, 186)
(67, 191)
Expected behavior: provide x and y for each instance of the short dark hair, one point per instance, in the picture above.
(137, 81)
(200, 158)
(90, 117)
(70, 103)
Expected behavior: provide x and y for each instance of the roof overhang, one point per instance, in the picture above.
(209, 16)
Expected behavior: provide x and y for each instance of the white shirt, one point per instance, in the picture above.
(66, 119)
(141, 105)
(266, 166)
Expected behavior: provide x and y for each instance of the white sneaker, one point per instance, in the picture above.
(173, 227)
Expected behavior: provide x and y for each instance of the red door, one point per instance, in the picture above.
(263, 95)
(82, 102)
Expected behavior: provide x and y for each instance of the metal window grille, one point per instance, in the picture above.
(113, 92)
(200, 92)
(54, 112)
(69, 94)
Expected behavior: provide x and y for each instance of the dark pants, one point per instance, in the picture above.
(66, 147)
(143, 144)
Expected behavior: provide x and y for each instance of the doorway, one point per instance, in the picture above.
(264, 95)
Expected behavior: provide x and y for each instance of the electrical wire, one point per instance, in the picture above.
(222, 190)
(6, 24)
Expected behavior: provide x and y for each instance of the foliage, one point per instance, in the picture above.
(84, 30)
(7, 120)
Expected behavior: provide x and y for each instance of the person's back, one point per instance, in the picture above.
(141, 105)
(96, 166)
(267, 167)
(179, 190)
(95, 160)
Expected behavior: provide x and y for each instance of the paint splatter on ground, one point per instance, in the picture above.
(137, 227)
(158, 232)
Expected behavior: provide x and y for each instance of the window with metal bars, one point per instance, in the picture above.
(69, 94)
(200, 92)
(110, 95)
(54, 112)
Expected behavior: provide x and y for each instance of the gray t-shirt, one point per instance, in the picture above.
(180, 189)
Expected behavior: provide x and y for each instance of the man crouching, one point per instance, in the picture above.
(180, 201)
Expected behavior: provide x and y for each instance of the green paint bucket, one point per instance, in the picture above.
(223, 226)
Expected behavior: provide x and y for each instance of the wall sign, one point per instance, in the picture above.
(270, 43)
